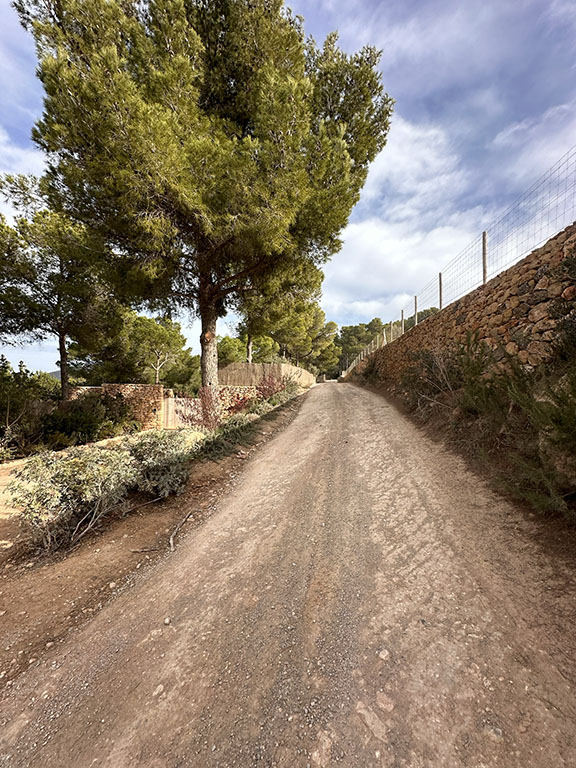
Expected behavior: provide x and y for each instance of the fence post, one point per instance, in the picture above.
(391, 336)
(484, 259)
(439, 290)
(402, 322)
(415, 310)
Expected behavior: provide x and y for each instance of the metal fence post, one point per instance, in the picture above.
(402, 322)
(415, 310)
(484, 259)
(439, 290)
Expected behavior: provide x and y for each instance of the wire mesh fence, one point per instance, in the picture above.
(544, 209)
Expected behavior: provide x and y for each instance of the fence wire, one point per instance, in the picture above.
(547, 207)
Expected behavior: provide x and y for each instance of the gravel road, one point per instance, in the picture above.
(358, 599)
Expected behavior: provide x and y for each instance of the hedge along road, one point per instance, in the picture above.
(358, 599)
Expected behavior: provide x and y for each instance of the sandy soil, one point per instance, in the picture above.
(357, 598)
(9, 530)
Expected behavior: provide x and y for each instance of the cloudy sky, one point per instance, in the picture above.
(485, 96)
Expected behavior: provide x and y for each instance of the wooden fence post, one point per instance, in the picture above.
(484, 258)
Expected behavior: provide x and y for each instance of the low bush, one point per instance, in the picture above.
(237, 430)
(241, 403)
(62, 496)
(86, 420)
(25, 398)
(260, 407)
(162, 458)
(270, 385)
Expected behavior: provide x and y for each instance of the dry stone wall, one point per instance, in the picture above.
(515, 313)
(146, 401)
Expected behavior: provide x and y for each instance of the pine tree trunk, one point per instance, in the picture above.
(64, 376)
(249, 350)
(209, 364)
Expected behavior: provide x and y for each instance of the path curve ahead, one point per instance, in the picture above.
(359, 599)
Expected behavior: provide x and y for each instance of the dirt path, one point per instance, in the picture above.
(359, 598)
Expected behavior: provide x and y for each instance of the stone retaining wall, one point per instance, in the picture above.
(515, 312)
(146, 401)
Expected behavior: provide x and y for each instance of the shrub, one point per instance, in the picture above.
(236, 430)
(280, 398)
(260, 407)
(270, 385)
(62, 496)
(24, 399)
(291, 386)
(162, 459)
(87, 419)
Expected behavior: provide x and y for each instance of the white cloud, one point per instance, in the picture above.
(383, 264)
(418, 174)
(530, 147)
(562, 11)
(409, 224)
(17, 159)
(442, 43)
(420, 208)
(20, 90)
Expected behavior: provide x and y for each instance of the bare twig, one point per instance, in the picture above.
(139, 506)
(97, 517)
(175, 531)
(150, 549)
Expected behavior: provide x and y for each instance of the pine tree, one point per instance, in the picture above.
(207, 140)
(51, 284)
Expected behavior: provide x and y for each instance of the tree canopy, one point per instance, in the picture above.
(207, 141)
(353, 338)
(50, 285)
(141, 350)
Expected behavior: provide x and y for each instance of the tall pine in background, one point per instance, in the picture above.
(207, 140)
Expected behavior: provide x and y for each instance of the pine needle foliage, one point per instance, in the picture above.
(207, 140)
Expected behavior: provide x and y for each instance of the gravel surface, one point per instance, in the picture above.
(359, 598)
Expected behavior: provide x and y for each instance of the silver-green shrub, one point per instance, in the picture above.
(61, 496)
(162, 458)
